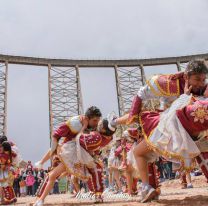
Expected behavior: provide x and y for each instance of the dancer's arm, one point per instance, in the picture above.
(46, 157)
(144, 93)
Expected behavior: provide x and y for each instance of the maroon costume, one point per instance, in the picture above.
(167, 86)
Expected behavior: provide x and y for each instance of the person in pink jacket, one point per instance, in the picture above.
(30, 180)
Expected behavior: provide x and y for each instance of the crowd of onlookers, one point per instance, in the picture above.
(27, 181)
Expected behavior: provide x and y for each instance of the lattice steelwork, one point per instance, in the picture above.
(3, 98)
(128, 82)
(64, 94)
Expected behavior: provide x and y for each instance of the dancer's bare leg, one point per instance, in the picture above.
(140, 152)
(110, 177)
(117, 178)
(129, 179)
(188, 177)
(52, 177)
(46, 157)
(76, 184)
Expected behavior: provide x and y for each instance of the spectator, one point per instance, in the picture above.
(22, 184)
(36, 183)
(30, 180)
(16, 185)
(56, 187)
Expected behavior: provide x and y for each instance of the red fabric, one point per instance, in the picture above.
(183, 178)
(9, 195)
(118, 151)
(153, 175)
(135, 109)
(133, 132)
(42, 187)
(202, 160)
(4, 160)
(94, 141)
(90, 185)
(189, 117)
(64, 131)
(149, 121)
(169, 82)
(128, 146)
(97, 178)
(30, 180)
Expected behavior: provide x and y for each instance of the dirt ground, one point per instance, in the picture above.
(172, 195)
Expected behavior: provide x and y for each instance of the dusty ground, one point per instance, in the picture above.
(171, 195)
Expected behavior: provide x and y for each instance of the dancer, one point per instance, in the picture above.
(76, 158)
(6, 175)
(10, 160)
(170, 87)
(113, 165)
(131, 136)
(114, 162)
(170, 134)
(70, 129)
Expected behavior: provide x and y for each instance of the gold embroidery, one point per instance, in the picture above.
(163, 153)
(200, 114)
(163, 92)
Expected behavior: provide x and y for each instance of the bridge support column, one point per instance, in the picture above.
(64, 94)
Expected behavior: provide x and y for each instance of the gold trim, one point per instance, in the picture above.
(132, 119)
(70, 171)
(166, 154)
(93, 145)
(162, 91)
(152, 89)
(168, 88)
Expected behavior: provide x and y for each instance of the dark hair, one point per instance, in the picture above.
(107, 131)
(93, 111)
(197, 66)
(7, 148)
(3, 139)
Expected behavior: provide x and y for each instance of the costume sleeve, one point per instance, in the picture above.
(158, 86)
(62, 131)
(144, 93)
(71, 127)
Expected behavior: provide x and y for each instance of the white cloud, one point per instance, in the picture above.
(88, 29)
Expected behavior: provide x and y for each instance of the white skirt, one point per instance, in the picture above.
(171, 140)
(76, 159)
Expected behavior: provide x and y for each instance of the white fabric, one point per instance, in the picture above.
(83, 156)
(75, 124)
(170, 136)
(145, 92)
(76, 158)
(202, 143)
(165, 118)
(4, 176)
(113, 161)
(111, 156)
(130, 156)
(18, 159)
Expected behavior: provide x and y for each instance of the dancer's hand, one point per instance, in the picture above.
(187, 88)
(206, 92)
